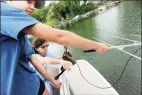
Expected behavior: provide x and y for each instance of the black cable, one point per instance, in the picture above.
(116, 81)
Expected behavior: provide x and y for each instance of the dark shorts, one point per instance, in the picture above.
(42, 87)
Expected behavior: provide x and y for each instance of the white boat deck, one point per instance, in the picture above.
(80, 86)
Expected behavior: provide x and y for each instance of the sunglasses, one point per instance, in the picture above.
(44, 46)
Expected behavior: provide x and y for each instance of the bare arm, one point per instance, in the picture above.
(38, 65)
(64, 37)
(49, 60)
(42, 71)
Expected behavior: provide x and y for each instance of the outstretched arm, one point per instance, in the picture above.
(66, 64)
(38, 65)
(48, 60)
(64, 37)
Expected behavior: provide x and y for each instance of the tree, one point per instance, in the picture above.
(40, 14)
(85, 1)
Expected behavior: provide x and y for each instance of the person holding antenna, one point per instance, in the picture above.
(17, 77)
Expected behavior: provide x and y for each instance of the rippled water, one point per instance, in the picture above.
(123, 21)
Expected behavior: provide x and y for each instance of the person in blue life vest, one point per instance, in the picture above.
(17, 77)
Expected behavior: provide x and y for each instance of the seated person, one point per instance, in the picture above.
(41, 46)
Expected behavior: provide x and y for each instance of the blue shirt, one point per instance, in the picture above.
(17, 77)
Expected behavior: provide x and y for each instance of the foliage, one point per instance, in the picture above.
(31, 39)
(87, 7)
(40, 14)
(66, 9)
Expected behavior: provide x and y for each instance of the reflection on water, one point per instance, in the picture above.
(120, 21)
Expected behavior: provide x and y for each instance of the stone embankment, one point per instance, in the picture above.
(100, 9)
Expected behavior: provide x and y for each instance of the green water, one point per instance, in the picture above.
(121, 21)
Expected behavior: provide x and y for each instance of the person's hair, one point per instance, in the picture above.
(37, 42)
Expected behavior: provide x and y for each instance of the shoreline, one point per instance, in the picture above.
(100, 9)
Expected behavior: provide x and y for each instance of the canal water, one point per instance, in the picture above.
(120, 25)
